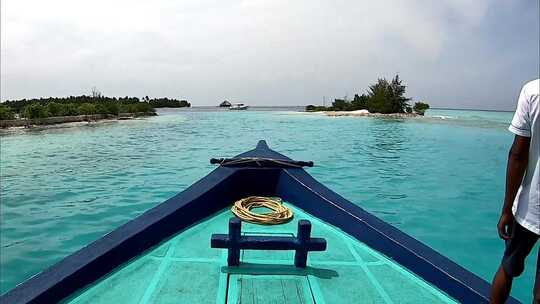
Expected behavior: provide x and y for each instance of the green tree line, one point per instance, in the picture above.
(83, 105)
(167, 102)
(382, 97)
(18, 106)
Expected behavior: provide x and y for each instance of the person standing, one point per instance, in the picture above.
(519, 224)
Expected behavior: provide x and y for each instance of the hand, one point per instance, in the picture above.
(505, 225)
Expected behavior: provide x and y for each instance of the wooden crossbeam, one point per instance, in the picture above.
(234, 242)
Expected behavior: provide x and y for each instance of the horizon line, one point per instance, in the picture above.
(433, 108)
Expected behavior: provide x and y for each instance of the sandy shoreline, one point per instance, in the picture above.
(67, 121)
(367, 114)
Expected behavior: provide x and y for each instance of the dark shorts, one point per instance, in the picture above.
(517, 249)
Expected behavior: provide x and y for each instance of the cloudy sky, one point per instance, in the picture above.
(451, 53)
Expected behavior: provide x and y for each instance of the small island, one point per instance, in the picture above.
(55, 110)
(384, 98)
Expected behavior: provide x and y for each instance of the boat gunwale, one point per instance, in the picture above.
(95, 260)
(410, 253)
(102, 256)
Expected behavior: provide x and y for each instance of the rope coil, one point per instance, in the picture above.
(280, 213)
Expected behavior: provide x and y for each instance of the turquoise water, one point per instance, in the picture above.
(440, 179)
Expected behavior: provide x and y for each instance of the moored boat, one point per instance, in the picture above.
(238, 106)
(164, 255)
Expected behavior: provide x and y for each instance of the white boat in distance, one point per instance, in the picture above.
(238, 106)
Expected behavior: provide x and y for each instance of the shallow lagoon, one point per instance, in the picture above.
(438, 178)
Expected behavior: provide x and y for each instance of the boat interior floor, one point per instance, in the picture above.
(184, 269)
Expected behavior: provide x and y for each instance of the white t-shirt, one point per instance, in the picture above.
(526, 122)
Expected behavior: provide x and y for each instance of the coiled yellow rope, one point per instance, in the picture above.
(280, 213)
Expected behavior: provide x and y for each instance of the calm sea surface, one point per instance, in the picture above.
(439, 178)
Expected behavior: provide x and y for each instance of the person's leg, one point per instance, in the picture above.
(513, 263)
(501, 286)
(536, 292)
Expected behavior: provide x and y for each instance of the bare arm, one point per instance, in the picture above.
(518, 159)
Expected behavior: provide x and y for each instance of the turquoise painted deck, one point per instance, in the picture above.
(184, 269)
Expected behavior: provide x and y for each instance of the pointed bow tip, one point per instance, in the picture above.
(262, 145)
